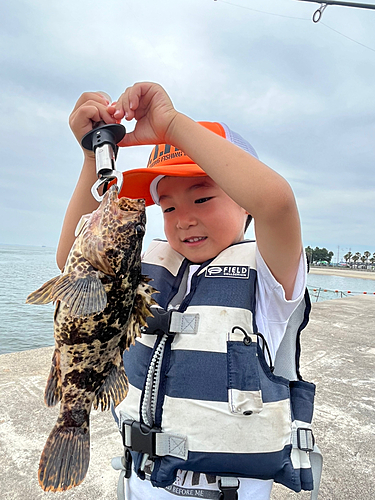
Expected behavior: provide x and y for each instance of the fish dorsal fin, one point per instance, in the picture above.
(141, 310)
(84, 295)
(44, 294)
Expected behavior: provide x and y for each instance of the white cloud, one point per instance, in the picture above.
(301, 93)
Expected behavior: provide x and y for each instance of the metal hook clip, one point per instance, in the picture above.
(103, 140)
(318, 13)
(103, 181)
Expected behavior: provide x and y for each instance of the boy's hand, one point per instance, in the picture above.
(91, 107)
(151, 106)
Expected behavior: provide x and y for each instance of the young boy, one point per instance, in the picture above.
(208, 188)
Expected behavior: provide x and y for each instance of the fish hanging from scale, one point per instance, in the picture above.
(102, 301)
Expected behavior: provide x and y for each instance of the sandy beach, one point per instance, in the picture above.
(342, 271)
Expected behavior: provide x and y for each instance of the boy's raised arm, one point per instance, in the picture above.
(254, 186)
(257, 188)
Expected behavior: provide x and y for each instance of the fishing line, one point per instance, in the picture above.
(299, 18)
(262, 11)
(345, 36)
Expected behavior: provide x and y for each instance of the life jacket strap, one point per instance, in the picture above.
(124, 465)
(228, 488)
(303, 440)
(316, 461)
(170, 322)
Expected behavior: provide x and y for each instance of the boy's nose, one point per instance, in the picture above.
(185, 221)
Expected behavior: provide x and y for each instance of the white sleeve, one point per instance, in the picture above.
(273, 310)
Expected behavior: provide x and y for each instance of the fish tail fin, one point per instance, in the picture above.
(65, 458)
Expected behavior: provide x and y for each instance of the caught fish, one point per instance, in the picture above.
(102, 301)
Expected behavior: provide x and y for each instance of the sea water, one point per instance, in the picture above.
(328, 287)
(23, 269)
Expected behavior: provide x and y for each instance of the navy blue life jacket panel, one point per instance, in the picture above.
(213, 387)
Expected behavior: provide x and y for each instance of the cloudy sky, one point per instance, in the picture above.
(301, 93)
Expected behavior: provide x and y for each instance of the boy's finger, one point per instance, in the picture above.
(123, 108)
(105, 95)
(90, 96)
(82, 119)
(135, 94)
(129, 140)
(96, 112)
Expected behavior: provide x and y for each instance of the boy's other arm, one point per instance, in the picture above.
(82, 202)
(90, 107)
(254, 186)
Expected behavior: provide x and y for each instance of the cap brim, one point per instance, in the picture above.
(136, 183)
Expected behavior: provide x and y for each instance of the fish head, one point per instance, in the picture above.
(111, 239)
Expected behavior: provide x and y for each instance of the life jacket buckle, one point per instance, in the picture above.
(142, 437)
(305, 439)
(158, 323)
(170, 322)
(228, 488)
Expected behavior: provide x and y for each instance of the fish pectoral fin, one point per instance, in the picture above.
(84, 295)
(44, 294)
(115, 388)
(53, 391)
(65, 458)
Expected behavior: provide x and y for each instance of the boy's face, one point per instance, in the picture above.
(200, 219)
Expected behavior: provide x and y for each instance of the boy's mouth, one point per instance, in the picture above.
(194, 240)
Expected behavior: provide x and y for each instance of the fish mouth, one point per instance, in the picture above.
(140, 229)
(124, 204)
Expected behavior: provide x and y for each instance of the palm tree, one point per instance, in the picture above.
(356, 257)
(348, 256)
(367, 256)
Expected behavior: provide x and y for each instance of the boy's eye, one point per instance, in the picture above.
(170, 209)
(203, 200)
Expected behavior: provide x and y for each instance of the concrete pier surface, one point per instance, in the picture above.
(338, 354)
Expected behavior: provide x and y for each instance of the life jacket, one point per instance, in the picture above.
(204, 395)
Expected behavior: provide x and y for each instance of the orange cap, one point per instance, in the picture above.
(164, 160)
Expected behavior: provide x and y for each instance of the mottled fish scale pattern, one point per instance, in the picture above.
(102, 301)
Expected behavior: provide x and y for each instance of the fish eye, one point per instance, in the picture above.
(140, 229)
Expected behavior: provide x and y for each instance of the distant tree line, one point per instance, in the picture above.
(316, 255)
(356, 259)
